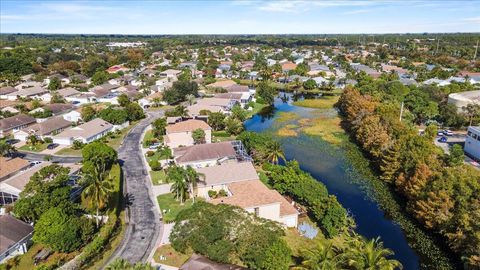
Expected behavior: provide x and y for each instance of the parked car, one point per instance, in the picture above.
(448, 132)
(154, 146)
(12, 141)
(52, 146)
(443, 139)
(36, 162)
(440, 133)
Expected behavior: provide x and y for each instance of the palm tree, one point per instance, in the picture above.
(119, 264)
(6, 149)
(372, 255)
(275, 152)
(192, 178)
(322, 257)
(98, 190)
(190, 99)
(179, 186)
(181, 111)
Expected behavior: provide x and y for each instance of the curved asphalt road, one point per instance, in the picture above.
(143, 218)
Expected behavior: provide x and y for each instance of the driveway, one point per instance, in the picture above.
(143, 218)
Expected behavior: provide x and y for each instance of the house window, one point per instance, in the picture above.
(257, 211)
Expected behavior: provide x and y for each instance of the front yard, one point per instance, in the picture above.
(35, 148)
(167, 255)
(158, 177)
(222, 136)
(171, 207)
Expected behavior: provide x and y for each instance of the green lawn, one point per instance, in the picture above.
(222, 136)
(326, 102)
(158, 177)
(148, 136)
(256, 108)
(172, 257)
(36, 148)
(171, 207)
(69, 152)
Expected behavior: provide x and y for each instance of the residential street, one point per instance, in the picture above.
(143, 218)
(53, 158)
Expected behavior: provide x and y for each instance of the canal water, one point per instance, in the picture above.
(327, 163)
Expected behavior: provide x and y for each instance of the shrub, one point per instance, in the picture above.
(48, 140)
(77, 145)
(150, 153)
(212, 194)
(222, 193)
(155, 165)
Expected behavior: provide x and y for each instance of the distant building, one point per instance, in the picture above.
(462, 99)
(180, 134)
(472, 142)
(15, 123)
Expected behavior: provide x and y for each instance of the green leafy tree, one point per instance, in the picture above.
(198, 136)
(456, 156)
(88, 113)
(54, 84)
(100, 77)
(179, 91)
(310, 84)
(233, 126)
(266, 93)
(159, 126)
(277, 256)
(216, 120)
(239, 113)
(58, 230)
(123, 100)
(134, 111)
(98, 154)
(372, 255)
(114, 116)
(321, 257)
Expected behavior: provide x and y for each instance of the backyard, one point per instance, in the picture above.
(167, 255)
(158, 177)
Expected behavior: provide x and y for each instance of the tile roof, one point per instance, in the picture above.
(227, 173)
(16, 121)
(56, 108)
(223, 84)
(201, 152)
(237, 88)
(189, 125)
(253, 193)
(66, 92)
(9, 166)
(7, 90)
(13, 231)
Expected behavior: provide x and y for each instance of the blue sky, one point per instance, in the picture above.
(238, 17)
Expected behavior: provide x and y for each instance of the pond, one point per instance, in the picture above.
(327, 163)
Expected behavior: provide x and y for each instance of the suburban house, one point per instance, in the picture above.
(170, 73)
(4, 91)
(73, 116)
(255, 197)
(11, 166)
(287, 66)
(86, 133)
(15, 237)
(47, 128)
(472, 143)
(202, 155)
(216, 178)
(180, 134)
(222, 84)
(15, 123)
(58, 108)
(64, 92)
(211, 104)
(32, 92)
(242, 98)
(28, 84)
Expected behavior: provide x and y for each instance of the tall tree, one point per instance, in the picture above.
(275, 152)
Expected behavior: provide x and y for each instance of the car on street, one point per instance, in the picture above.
(448, 132)
(12, 141)
(36, 162)
(443, 139)
(52, 146)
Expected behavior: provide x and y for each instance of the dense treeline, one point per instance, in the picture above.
(442, 194)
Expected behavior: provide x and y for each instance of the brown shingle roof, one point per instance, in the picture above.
(253, 193)
(13, 230)
(236, 88)
(7, 90)
(223, 84)
(66, 92)
(87, 129)
(9, 166)
(56, 108)
(189, 125)
(16, 121)
(208, 151)
(228, 173)
(48, 126)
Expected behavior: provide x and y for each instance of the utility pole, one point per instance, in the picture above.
(476, 49)
(401, 111)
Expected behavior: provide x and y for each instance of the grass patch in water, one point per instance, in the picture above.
(326, 102)
(328, 128)
(287, 131)
(286, 117)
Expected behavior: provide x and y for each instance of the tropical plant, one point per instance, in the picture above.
(198, 136)
(371, 255)
(275, 152)
(98, 190)
(6, 149)
(321, 257)
(193, 177)
(179, 187)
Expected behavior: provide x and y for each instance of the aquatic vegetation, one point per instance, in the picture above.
(326, 102)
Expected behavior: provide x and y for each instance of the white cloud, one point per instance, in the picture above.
(473, 20)
(357, 11)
